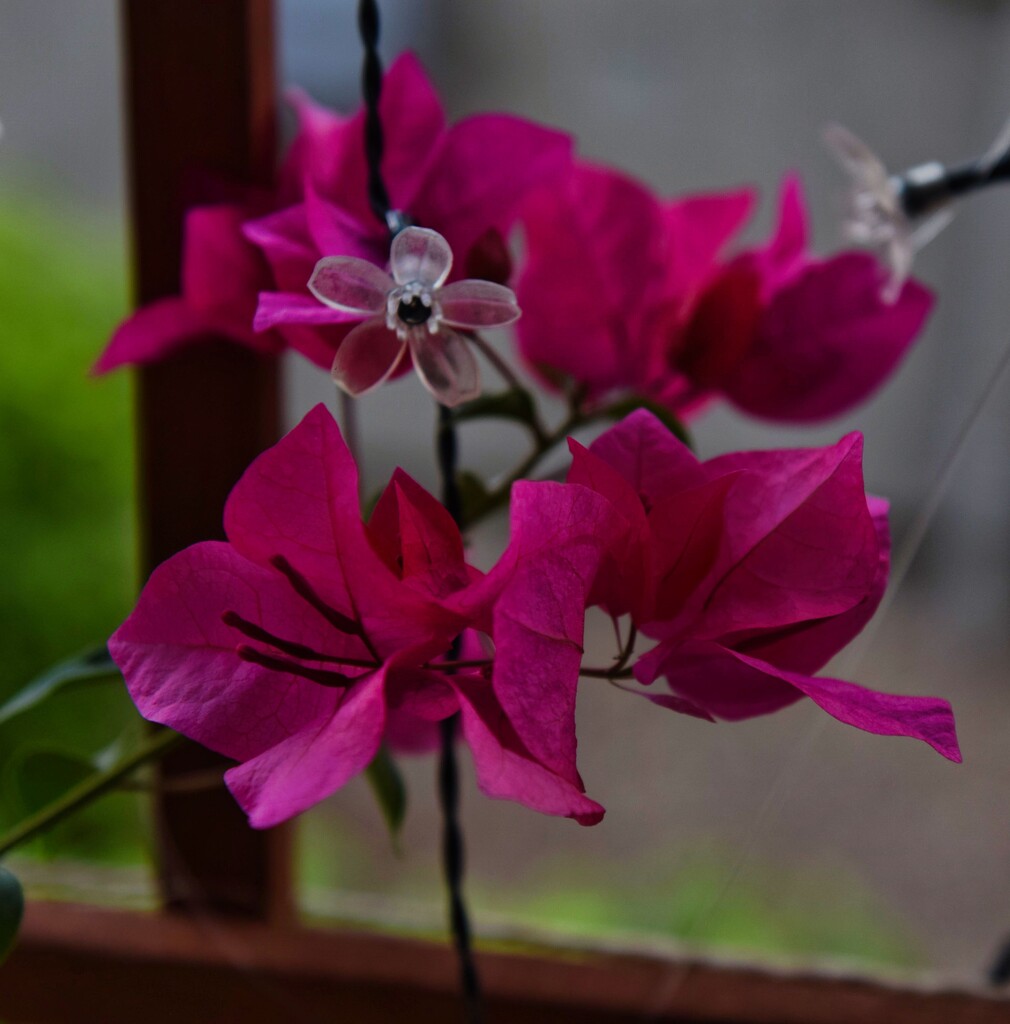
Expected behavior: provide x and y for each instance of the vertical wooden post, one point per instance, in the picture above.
(200, 107)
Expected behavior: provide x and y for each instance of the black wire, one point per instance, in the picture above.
(446, 443)
(371, 88)
(453, 864)
(447, 458)
(448, 773)
(922, 194)
(999, 971)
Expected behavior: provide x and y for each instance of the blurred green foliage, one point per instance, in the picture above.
(66, 521)
(701, 894)
(821, 911)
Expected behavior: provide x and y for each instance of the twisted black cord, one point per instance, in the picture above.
(453, 863)
(448, 771)
(371, 88)
(927, 187)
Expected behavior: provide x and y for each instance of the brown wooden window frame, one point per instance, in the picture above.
(200, 102)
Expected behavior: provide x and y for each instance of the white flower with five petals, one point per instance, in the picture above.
(411, 310)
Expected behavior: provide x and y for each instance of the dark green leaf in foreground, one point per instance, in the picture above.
(390, 791)
(12, 905)
(91, 666)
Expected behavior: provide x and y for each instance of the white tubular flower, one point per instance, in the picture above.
(412, 310)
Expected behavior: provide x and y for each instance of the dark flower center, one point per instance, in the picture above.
(414, 312)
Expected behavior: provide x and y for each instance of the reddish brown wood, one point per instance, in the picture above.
(111, 967)
(199, 81)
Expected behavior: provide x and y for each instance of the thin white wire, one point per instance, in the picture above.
(787, 774)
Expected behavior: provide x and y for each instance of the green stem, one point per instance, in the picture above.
(629, 648)
(88, 790)
(606, 673)
(500, 495)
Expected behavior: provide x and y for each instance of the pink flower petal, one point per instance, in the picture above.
(721, 325)
(476, 304)
(506, 771)
(594, 248)
(420, 254)
(319, 135)
(276, 309)
(313, 763)
(624, 583)
(808, 647)
(670, 702)
(648, 456)
(709, 676)
(329, 152)
(317, 342)
(221, 271)
(367, 357)
(559, 535)
(698, 228)
(350, 284)
(923, 718)
(153, 332)
(181, 664)
(415, 125)
(284, 240)
(687, 533)
(338, 232)
(481, 171)
(446, 365)
(827, 341)
(166, 326)
(418, 539)
(299, 500)
(785, 254)
(800, 542)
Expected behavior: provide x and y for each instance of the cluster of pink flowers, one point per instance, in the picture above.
(623, 290)
(311, 637)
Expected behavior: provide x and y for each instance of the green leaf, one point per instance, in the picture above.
(515, 404)
(390, 791)
(473, 493)
(93, 665)
(12, 907)
(625, 406)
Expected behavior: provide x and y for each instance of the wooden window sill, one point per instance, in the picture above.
(98, 966)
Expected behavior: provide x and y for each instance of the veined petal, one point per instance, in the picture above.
(350, 284)
(181, 662)
(922, 718)
(504, 767)
(366, 357)
(310, 765)
(446, 365)
(420, 254)
(478, 304)
(826, 341)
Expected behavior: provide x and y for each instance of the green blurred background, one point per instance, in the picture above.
(66, 522)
